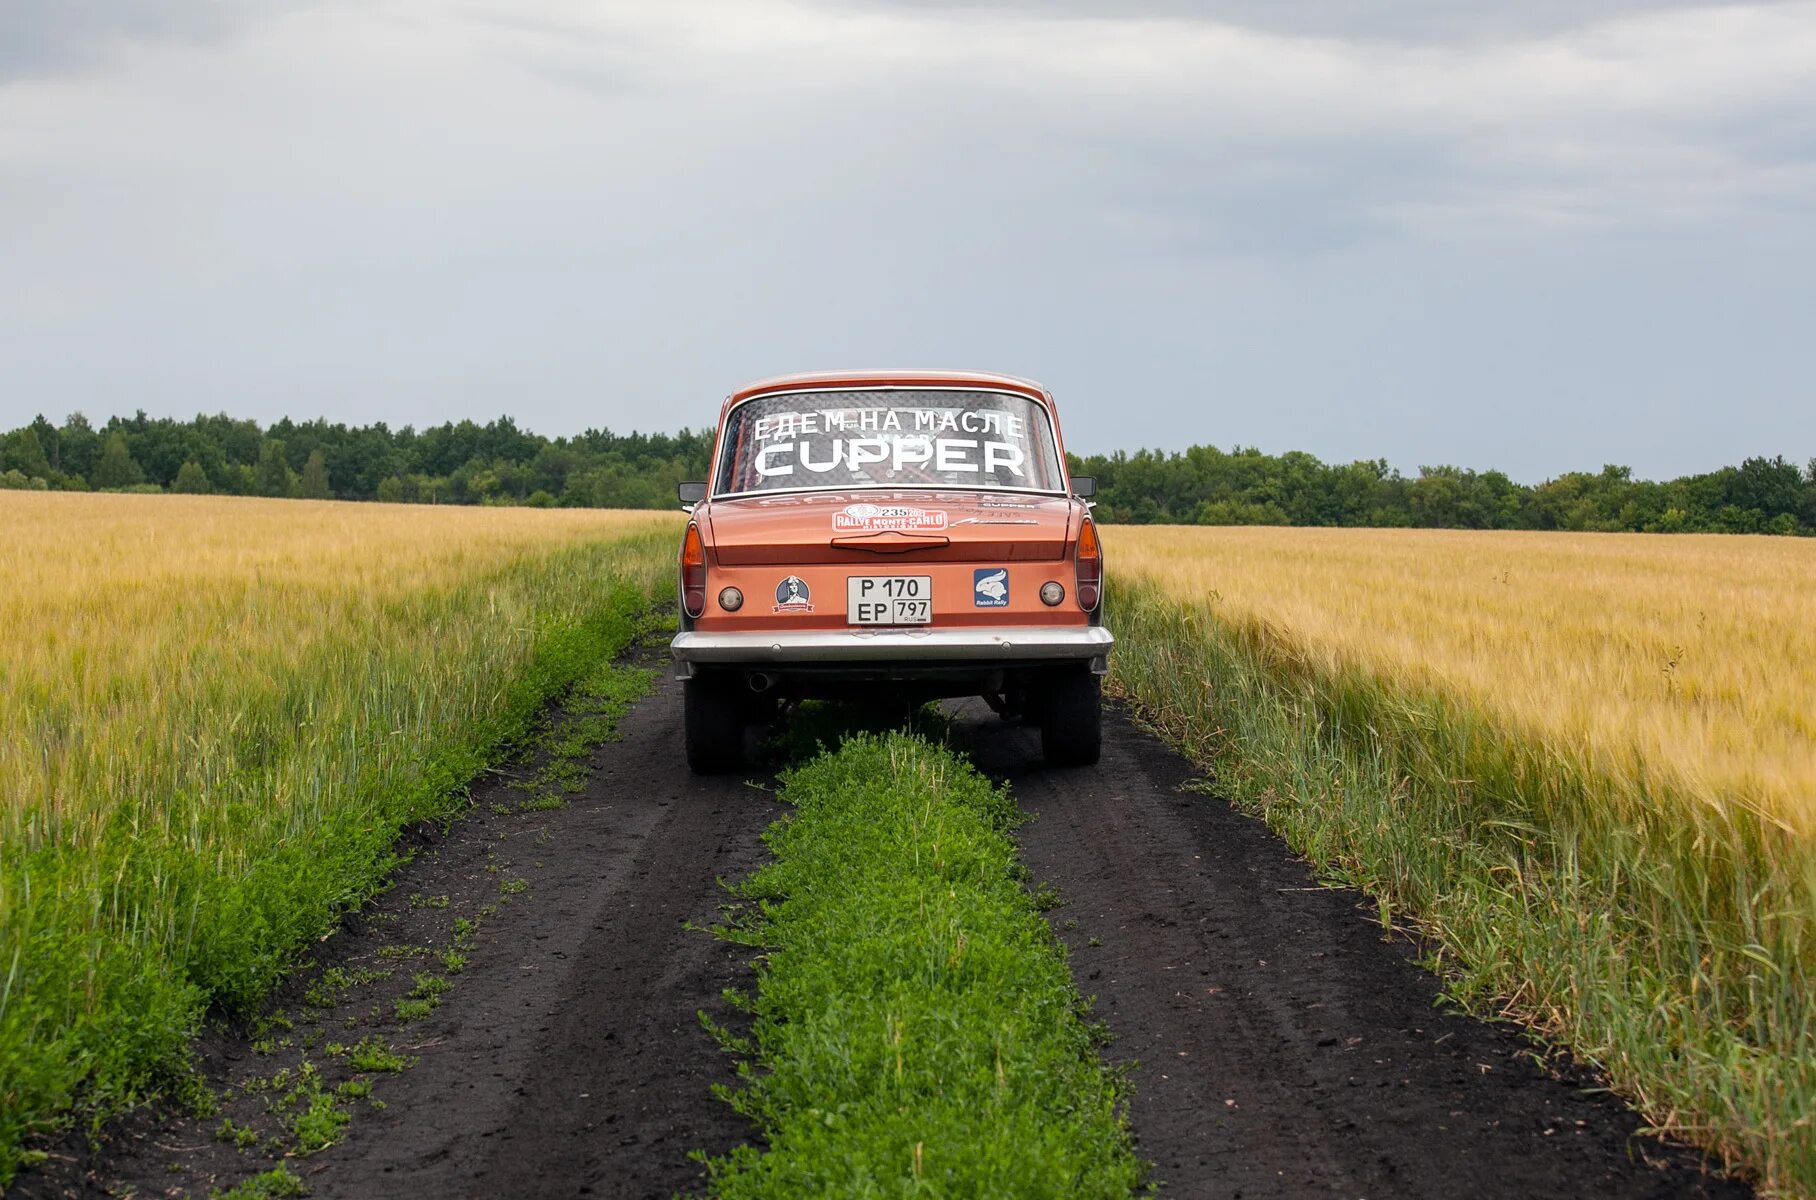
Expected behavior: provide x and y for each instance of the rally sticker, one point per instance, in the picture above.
(793, 595)
(990, 587)
(878, 518)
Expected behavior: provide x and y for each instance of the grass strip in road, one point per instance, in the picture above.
(916, 1030)
(1673, 943)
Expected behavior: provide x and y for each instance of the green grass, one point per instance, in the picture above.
(1674, 946)
(240, 1135)
(192, 902)
(310, 1112)
(424, 997)
(276, 1184)
(373, 1056)
(916, 1031)
(589, 719)
(334, 983)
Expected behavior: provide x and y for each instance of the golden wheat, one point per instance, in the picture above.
(1688, 656)
(135, 627)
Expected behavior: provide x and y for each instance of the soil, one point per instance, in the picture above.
(1279, 1044)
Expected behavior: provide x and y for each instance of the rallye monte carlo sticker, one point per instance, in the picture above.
(793, 595)
(990, 587)
(881, 518)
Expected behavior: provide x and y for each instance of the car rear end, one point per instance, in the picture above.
(891, 542)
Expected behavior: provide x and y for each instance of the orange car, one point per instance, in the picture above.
(894, 537)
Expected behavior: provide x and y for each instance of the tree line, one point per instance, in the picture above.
(455, 463)
(1208, 486)
(498, 463)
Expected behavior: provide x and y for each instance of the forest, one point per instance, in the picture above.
(463, 462)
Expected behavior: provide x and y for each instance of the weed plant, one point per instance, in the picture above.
(1671, 940)
(372, 1055)
(279, 1183)
(916, 1031)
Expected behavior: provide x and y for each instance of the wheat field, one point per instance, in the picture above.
(215, 714)
(1693, 656)
(141, 630)
(1583, 765)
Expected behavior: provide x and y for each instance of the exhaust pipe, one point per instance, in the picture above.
(759, 682)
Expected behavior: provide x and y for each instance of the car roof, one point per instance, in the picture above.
(886, 378)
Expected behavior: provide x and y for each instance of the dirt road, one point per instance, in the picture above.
(1283, 1047)
(575, 1063)
(566, 1059)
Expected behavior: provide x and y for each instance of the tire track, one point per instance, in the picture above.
(577, 1065)
(1285, 1047)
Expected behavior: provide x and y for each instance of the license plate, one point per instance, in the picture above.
(889, 599)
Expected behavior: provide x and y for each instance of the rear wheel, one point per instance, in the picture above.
(713, 714)
(1071, 723)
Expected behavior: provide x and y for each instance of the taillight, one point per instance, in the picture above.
(693, 572)
(1090, 567)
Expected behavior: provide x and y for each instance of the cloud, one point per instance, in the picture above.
(414, 209)
(42, 39)
(1419, 21)
(1644, 113)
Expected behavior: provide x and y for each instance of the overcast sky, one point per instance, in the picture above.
(1539, 236)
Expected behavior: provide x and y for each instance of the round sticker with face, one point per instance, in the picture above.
(792, 592)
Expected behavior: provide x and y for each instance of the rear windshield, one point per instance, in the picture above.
(888, 438)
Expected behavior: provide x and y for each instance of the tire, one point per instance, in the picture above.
(1071, 723)
(713, 716)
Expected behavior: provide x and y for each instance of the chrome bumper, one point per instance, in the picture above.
(831, 647)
